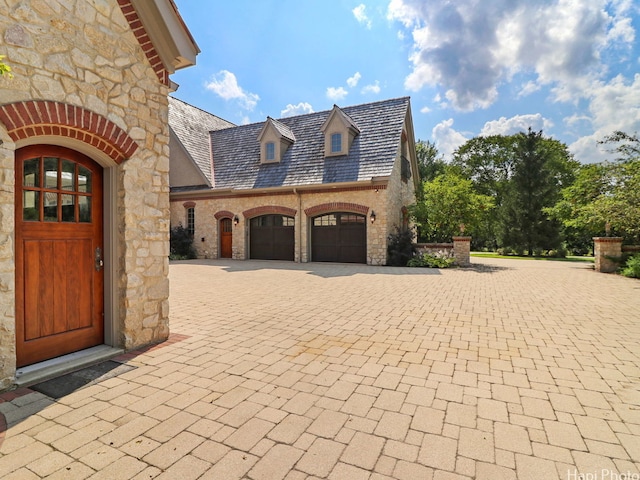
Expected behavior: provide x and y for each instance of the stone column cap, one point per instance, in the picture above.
(461, 239)
(608, 239)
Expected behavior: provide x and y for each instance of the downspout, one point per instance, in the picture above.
(295, 190)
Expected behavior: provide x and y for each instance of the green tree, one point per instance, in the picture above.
(531, 189)
(488, 163)
(605, 197)
(430, 163)
(576, 208)
(449, 201)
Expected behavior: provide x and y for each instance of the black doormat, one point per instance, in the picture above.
(66, 384)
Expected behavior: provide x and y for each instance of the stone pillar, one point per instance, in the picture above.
(7, 262)
(462, 251)
(605, 251)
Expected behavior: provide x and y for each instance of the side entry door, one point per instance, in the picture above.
(59, 245)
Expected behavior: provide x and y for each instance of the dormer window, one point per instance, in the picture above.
(270, 152)
(275, 138)
(336, 143)
(339, 132)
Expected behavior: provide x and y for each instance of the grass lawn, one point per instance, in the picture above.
(515, 257)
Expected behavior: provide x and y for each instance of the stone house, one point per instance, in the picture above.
(326, 186)
(84, 168)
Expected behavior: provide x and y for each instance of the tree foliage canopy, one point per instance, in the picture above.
(524, 174)
(449, 201)
(526, 192)
(605, 197)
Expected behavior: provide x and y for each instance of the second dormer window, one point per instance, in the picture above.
(270, 151)
(336, 143)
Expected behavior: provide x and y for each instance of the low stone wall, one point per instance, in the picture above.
(459, 249)
(435, 248)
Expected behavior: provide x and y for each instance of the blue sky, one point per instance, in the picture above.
(471, 67)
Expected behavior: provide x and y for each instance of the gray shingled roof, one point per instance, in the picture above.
(236, 151)
(192, 126)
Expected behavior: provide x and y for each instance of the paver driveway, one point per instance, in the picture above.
(509, 369)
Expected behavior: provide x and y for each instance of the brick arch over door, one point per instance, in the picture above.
(223, 214)
(336, 207)
(269, 209)
(36, 118)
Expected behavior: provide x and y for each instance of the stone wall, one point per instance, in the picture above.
(84, 54)
(445, 249)
(459, 249)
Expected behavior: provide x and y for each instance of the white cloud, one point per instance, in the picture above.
(518, 123)
(469, 49)
(614, 105)
(361, 15)
(529, 88)
(446, 138)
(225, 85)
(353, 81)
(294, 110)
(336, 94)
(373, 88)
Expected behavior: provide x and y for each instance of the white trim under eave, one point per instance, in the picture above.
(168, 33)
(292, 189)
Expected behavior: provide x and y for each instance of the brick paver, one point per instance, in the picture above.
(507, 369)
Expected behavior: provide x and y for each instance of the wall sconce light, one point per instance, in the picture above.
(372, 217)
(236, 220)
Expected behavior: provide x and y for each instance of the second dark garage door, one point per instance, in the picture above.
(271, 237)
(339, 237)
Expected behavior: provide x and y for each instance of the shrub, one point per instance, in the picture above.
(400, 247)
(560, 252)
(632, 267)
(432, 260)
(181, 244)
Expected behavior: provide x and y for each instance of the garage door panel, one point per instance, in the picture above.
(352, 236)
(352, 254)
(339, 237)
(272, 238)
(283, 243)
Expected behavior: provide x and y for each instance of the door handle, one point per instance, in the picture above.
(98, 259)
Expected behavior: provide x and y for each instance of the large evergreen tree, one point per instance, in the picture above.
(532, 188)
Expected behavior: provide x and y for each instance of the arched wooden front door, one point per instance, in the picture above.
(226, 238)
(59, 265)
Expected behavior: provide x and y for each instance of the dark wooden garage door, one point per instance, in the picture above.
(272, 237)
(339, 237)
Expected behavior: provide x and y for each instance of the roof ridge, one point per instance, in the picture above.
(202, 110)
(281, 119)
